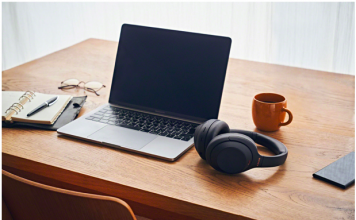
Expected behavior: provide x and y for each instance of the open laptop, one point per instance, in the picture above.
(165, 84)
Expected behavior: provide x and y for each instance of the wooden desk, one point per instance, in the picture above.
(322, 131)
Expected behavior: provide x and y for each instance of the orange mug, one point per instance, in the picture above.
(269, 111)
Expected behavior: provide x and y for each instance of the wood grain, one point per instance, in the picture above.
(321, 132)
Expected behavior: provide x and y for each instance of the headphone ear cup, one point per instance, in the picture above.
(218, 128)
(230, 153)
(199, 137)
(196, 134)
(207, 131)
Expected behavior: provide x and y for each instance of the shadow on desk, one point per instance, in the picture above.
(250, 181)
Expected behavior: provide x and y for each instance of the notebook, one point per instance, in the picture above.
(16, 105)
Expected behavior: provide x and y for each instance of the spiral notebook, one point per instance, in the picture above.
(16, 105)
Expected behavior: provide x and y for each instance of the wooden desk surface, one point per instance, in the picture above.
(322, 131)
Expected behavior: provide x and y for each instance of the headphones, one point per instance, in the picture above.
(234, 151)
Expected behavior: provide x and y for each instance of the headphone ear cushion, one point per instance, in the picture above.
(199, 137)
(196, 134)
(207, 131)
(219, 127)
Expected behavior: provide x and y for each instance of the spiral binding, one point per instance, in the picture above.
(28, 95)
(12, 108)
(17, 103)
(16, 106)
(13, 105)
(31, 92)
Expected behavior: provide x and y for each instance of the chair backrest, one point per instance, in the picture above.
(26, 199)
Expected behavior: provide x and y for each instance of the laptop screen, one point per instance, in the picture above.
(170, 72)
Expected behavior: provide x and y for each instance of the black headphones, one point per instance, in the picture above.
(234, 151)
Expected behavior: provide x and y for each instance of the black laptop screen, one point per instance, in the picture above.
(172, 72)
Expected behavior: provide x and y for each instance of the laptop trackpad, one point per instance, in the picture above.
(123, 137)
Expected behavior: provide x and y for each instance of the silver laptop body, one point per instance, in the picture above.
(148, 83)
(125, 138)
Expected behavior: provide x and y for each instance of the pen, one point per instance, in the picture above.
(46, 104)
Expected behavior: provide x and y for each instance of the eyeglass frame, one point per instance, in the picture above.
(85, 88)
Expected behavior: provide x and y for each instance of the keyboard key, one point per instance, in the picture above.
(191, 131)
(163, 133)
(171, 135)
(128, 126)
(187, 137)
(184, 132)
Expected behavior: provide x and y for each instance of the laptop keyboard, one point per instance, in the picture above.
(145, 122)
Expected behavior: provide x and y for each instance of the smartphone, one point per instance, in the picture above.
(340, 173)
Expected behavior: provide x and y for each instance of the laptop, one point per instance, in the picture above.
(165, 84)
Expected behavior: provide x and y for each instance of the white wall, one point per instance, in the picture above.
(310, 35)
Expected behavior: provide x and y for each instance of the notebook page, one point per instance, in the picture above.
(47, 114)
(9, 98)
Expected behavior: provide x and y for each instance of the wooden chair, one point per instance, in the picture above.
(24, 199)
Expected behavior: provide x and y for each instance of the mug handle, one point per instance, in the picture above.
(290, 117)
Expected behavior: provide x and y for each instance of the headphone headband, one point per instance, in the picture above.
(272, 144)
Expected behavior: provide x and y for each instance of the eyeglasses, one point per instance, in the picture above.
(91, 86)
